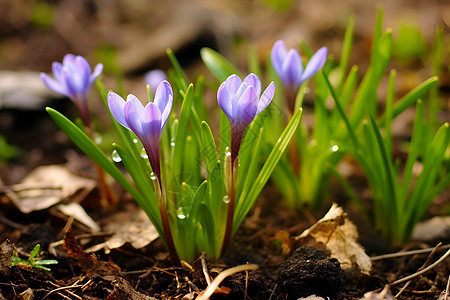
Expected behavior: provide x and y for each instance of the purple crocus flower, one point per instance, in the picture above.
(288, 66)
(146, 122)
(241, 102)
(153, 78)
(73, 79)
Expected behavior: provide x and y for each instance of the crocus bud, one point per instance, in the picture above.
(288, 65)
(241, 102)
(146, 122)
(73, 79)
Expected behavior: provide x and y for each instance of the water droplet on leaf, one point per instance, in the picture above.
(115, 156)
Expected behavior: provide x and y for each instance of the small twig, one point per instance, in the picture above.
(447, 288)
(191, 284)
(273, 291)
(205, 268)
(10, 223)
(65, 288)
(246, 285)
(222, 275)
(443, 257)
(421, 268)
(406, 253)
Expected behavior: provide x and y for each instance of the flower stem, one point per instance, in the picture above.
(230, 212)
(165, 223)
(105, 190)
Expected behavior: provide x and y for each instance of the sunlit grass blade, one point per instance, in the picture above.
(388, 114)
(181, 133)
(431, 167)
(219, 66)
(208, 148)
(347, 45)
(411, 97)
(417, 139)
(177, 69)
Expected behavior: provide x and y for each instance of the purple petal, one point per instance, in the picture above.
(54, 85)
(134, 112)
(278, 56)
(246, 107)
(116, 106)
(82, 75)
(233, 83)
(164, 100)
(292, 69)
(56, 69)
(224, 100)
(151, 122)
(266, 97)
(154, 78)
(316, 63)
(254, 81)
(69, 59)
(97, 71)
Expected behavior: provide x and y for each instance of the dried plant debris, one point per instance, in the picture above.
(132, 227)
(89, 263)
(385, 294)
(46, 186)
(340, 236)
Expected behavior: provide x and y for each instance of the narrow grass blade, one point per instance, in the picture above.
(219, 66)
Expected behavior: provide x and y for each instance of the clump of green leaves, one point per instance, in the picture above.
(194, 169)
(33, 261)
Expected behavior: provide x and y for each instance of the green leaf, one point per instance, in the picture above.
(181, 133)
(266, 171)
(347, 45)
(219, 66)
(411, 97)
(178, 70)
(91, 149)
(208, 148)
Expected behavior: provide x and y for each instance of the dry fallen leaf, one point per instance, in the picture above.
(132, 226)
(340, 236)
(385, 294)
(46, 186)
(76, 211)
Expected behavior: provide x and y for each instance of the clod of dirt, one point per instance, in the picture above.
(6, 251)
(36, 234)
(309, 271)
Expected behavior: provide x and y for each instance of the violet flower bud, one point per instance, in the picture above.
(146, 122)
(153, 79)
(73, 79)
(288, 65)
(241, 102)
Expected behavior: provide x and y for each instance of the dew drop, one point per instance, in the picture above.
(334, 148)
(97, 137)
(180, 213)
(115, 156)
(172, 142)
(135, 141)
(226, 199)
(152, 176)
(144, 153)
